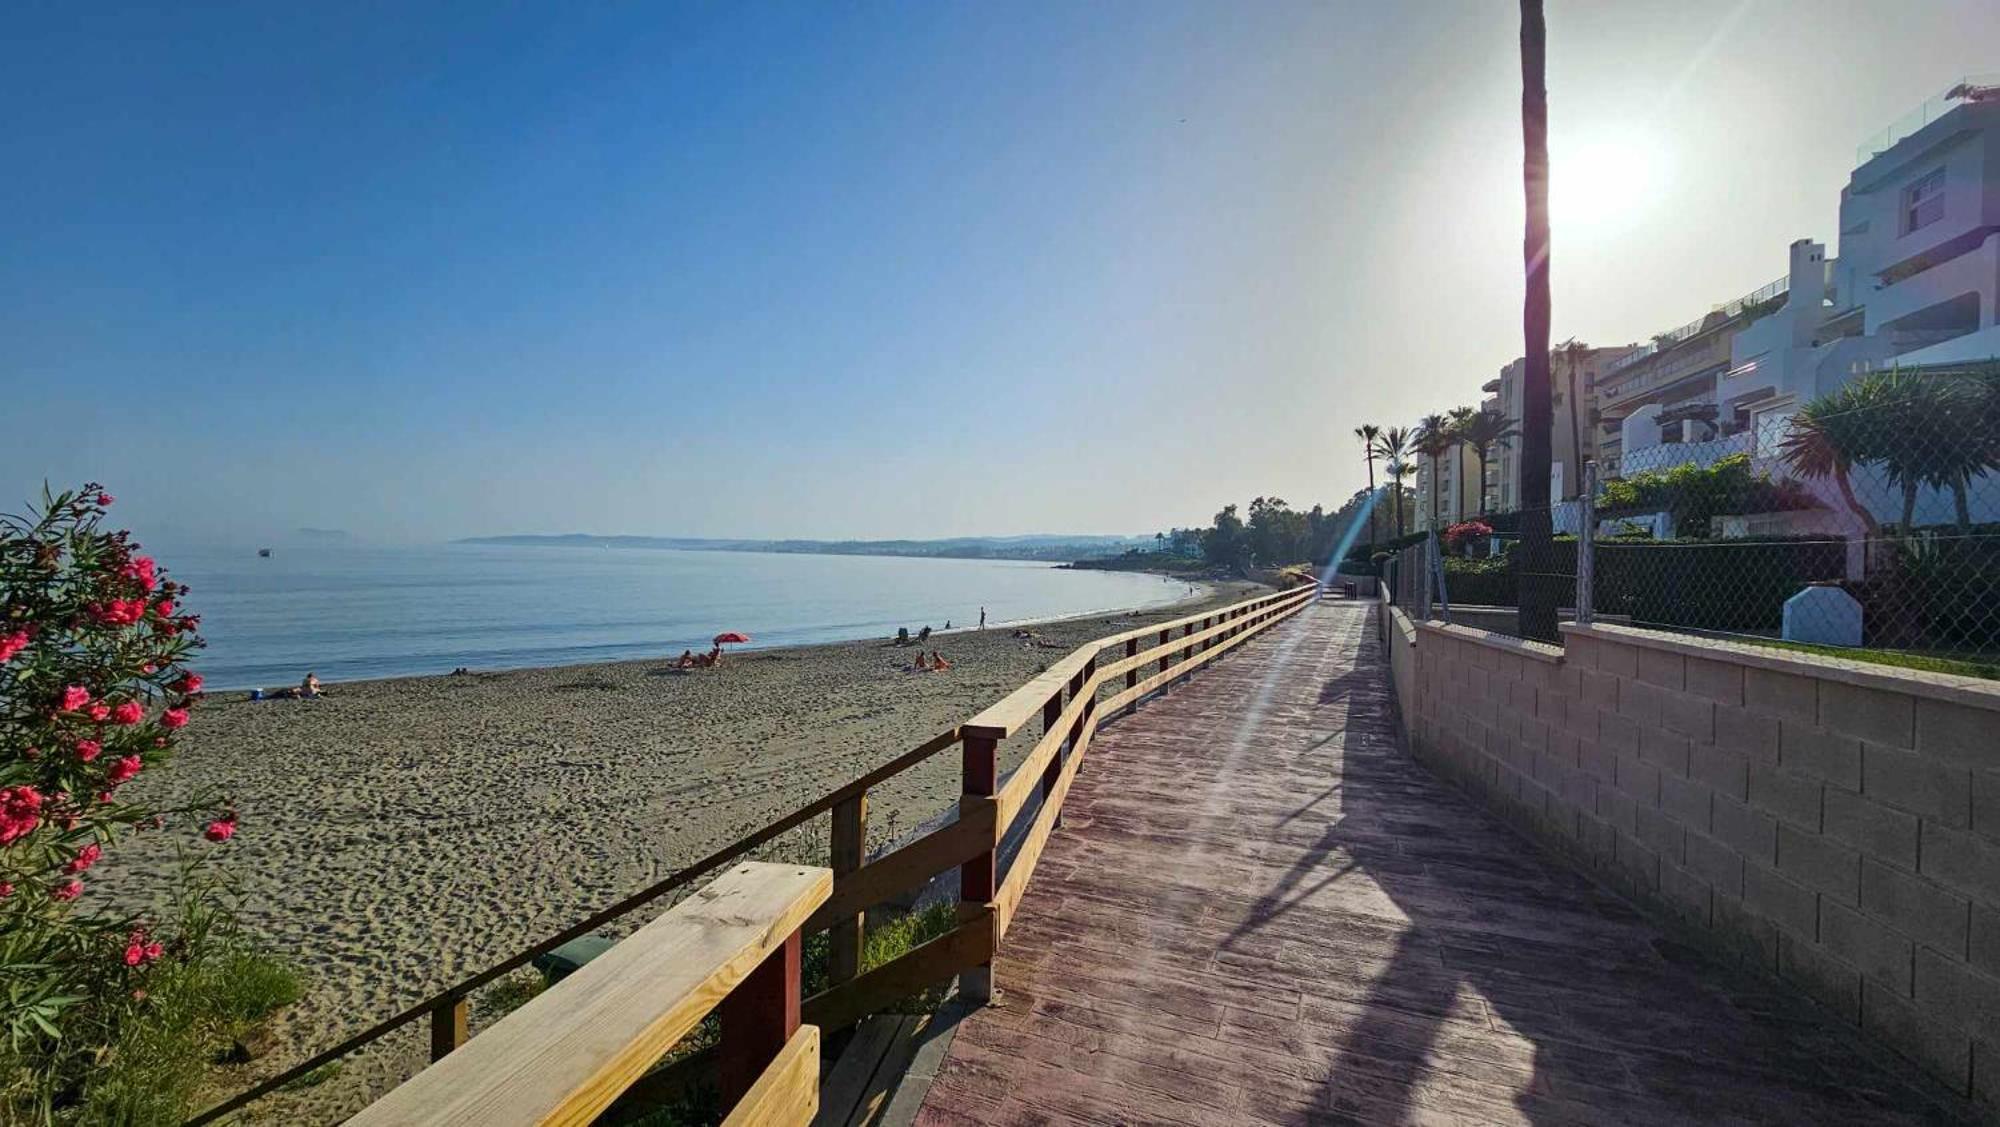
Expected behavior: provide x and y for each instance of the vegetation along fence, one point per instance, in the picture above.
(1867, 520)
(590, 1043)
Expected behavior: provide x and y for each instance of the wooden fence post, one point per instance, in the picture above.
(1187, 651)
(451, 1026)
(1051, 715)
(758, 1018)
(1132, 674)
(978, 879)
(847, 936)
(1166, 657)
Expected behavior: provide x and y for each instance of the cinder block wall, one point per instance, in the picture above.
(1836, 823)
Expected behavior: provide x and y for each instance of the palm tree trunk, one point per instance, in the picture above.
(1537, 599)
(1374, 503)
(1959, 502)
(1909, 506)
(1482, 481)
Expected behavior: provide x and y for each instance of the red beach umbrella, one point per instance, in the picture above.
(731, 636)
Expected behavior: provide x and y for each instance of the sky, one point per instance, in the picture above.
(859, 270)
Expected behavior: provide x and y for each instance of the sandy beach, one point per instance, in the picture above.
(400, 834)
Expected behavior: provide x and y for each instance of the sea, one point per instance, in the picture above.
(349, 613)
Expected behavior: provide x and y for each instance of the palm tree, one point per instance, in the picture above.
(1390, 446)
(1486, 429)
(1829, 436)
(1459, 416)
(1433, 441)
(1368, 433)
(1396, 469)
(1538, 600)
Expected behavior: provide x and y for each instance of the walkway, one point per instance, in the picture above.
(1261, 910)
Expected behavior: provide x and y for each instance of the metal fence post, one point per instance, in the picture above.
(1586, 546)
(1424, 584)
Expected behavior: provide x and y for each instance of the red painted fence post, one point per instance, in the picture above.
(758, 1018)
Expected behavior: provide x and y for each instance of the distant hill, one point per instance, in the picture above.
(1046, 547)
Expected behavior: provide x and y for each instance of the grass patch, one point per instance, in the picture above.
(1902, 659)
(194, 1016)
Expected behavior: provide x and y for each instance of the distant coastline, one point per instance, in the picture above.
(1052, 548)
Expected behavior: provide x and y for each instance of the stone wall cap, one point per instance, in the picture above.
(1534, 651)
(1975, 692)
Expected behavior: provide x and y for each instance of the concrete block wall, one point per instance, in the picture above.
(1835, 823)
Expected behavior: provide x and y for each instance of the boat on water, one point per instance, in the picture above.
(264, 553)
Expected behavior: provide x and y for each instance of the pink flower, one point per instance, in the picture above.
(105, 498)
(143, 571)
(20, 813)
(127, 713)
(88, 750)
(119, 612)
(138, 995)
(6, 890)
(222, 829)
(75, 697)
(11, 644)
(100, 712)
(135, 953)
(154, 951)
(189, 684)
(164, 608)
(68, 890)
(84, 859)
(174, 717)
(123, 769)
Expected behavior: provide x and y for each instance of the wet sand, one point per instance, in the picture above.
(399, 835)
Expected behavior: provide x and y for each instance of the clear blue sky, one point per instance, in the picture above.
(857, 270)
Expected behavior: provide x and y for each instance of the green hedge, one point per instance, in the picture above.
(1729, 585)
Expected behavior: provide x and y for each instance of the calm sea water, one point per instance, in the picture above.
(349, 613)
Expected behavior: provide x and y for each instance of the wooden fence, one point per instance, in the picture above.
(1065, 698)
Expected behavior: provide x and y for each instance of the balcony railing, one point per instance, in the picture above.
(1932, 109)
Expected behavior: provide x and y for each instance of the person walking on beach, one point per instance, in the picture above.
(982, 618)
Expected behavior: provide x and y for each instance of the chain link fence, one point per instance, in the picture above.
(1866, 520)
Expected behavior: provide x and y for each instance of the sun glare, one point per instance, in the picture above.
(1603, 183)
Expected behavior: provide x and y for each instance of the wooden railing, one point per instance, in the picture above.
(576, 1047)
(1068, 698)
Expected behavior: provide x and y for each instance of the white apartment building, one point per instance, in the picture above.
(1574, 374)
(1916, 283)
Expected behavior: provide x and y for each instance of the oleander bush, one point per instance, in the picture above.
(105, 1016)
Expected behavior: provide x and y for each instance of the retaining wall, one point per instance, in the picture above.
(1835, 823)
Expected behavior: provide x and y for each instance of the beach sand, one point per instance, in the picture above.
(399, 835)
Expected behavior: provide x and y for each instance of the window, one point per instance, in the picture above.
(1923, 201)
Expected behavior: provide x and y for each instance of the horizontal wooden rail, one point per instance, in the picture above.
(568, 1053)
(1064, 696)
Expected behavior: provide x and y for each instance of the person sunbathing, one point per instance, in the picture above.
(938, 663)
(920, 665)
(686, 660)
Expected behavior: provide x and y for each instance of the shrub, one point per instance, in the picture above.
(1464, 533)
(1694, 494)
(104, 1013)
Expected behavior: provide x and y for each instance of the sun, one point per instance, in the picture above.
(1603, 183)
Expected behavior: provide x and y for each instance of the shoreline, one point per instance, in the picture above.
(401, 833)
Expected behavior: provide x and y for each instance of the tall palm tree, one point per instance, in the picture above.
(1460, 417)
(1391, 445)
(1433, 441)
(1396, 469)
(1538, 600)
(1486, 429)
(1368, 433)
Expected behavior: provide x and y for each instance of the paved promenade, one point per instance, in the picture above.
(1261, 910)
